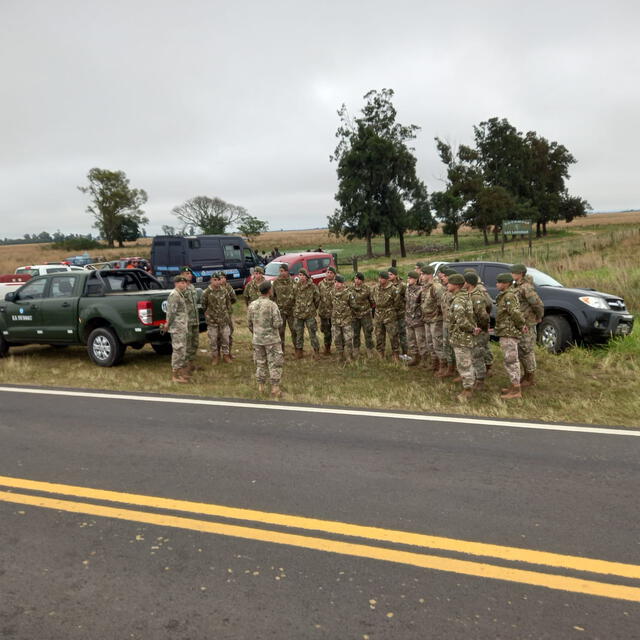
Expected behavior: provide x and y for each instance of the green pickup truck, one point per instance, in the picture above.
(105, 310)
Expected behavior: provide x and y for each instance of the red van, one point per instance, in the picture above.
(315, 263)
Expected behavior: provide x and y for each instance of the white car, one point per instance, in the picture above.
(42, 269)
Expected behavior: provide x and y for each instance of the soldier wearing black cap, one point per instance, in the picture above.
(432, 315)
(482, 313)
(401, 288)
(305, 309)
(342, 306)
(251, 291)
(362, 316)
(448, 364)
(284, 297)
(461, 326)
(414, 322)
(193, 333)
(385, 322)
(324, 307)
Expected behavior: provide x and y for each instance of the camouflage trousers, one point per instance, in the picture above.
(269, 362)
(478, 354)
(464, 362)
(219, 338)
(527, 350)
(179, 340)
(433, 339)
(364, 324)
(382, 329)
(416, 341)
(402, 333)
(312, 327)
(343, 338)
(287, 319)
(488, 354)
(448, 354)
(325, 327)
(509, 348)
(193, 338)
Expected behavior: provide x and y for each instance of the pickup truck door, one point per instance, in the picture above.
(22, 316)
(58, 311)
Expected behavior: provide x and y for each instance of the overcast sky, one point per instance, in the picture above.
(238, 99)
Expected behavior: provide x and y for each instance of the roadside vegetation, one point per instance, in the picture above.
(583, 385)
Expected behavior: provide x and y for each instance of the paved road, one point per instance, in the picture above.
(132, 518)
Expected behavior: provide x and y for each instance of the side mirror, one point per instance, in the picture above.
(11, 296)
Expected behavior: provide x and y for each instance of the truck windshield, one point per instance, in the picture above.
(273, 269)
(541, 279)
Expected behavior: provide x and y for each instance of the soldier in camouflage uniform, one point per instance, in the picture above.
(488, 354)
(414, 322)
(324, 307)
(401, 287)
(385, 321)
(532, 309)
(193, 334)
(252, 291)
(216, 306)
(461, 326)
(481, 312)
(264, 321)
(305, 308)
(447, 365)
(432, 315)
(362, 317)
(342, 306)
(233, 298)
(510, 325)
(284, 297)
(177, 324)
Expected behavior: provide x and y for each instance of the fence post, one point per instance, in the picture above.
(354, 262)
(394, 262)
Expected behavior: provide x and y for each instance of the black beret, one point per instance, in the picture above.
(263, 287)
(504, 277)
(456, 278)
(470, 277)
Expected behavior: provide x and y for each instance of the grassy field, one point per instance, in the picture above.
(594, 385)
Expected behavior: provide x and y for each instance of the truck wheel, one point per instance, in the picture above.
(4, 347)
(104, 347)
(554, 333)
(162, 348)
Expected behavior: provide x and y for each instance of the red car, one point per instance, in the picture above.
(315, 263)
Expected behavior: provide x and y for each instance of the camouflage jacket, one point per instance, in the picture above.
(342, 305)
(363, 300)
(325, 288)
(216, 306)
(509, 318)
(264, 321)
(461, 320)
(307, 299)
(177, 312)
(284, 293)
(431, 301)
(232, 294)
(386, 301)
(481, 307)
(445, 305)
(401, 288)
(531, 305)
(413, 308)
(193, 295)
(251, 291)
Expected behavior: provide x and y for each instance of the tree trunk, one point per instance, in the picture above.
(485, 235)
(544, 228)
(369, 246)
(387, 246)
(403, 250)
(456, 244)
(538, 233)
(495, 234)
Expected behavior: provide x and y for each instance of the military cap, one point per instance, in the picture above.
(339, 278)
(419, 265)
(359, 275)
(186, 269)
(470, 277)
(383, 274)
(428, 270)
(303, 272)
(448, 271)
(180, 279)
(283, 265)
(518, 268)
(413, 274)
(216, 275)
(333, 269)
(470, 270)
(393, 270)
(504, 277)
(456, 278)
(259, 270)
(263, 287)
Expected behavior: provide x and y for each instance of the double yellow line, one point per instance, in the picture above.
(476, 568)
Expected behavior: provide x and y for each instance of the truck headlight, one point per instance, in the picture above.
(594, 301)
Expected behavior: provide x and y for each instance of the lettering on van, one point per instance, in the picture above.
(18, 318)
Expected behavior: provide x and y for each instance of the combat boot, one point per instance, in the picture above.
(261, 387)
(512, 392)
(479, 384)
(489, 371)
(527, 380)
(457, 379)
(435, 364)
(442, 370)
(184, 372)
(299, 354)
(176, 376)
(465, 395)
(227, 358)
(276, 392)
(316, 354)
(215, 359)
(415, 360)
(380, 354)
(395, 356)
(327, 350)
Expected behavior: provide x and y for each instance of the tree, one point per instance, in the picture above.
(251, 227)
(376, 172)
(421, 219)
(114, 205)
(449, 207)
(168, 230)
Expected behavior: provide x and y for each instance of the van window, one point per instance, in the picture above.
(272, 269)
(232, 252)
(294, 268)
(318, 264)
(249, 258)
(175, 243)
(194, 244)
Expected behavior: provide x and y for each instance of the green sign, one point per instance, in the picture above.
(516, 227)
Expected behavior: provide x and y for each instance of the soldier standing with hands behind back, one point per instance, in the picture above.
(325, 289)
(177, 324)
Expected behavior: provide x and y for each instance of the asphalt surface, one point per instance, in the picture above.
(70, 575)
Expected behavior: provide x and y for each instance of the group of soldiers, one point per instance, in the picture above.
(440, 322)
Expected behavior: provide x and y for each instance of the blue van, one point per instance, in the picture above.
(204, 254)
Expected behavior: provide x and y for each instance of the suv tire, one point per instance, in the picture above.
(4, 347)
(104, 347)
(554, 333)
(162, 348)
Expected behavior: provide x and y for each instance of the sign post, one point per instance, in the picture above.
(517, 228)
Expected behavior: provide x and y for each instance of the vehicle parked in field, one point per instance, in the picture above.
(316, 263)
(12, 282)
(204, 254)
(107, 311)
(570, 315)
(42, 269)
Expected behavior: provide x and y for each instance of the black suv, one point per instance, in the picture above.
(570, 315)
